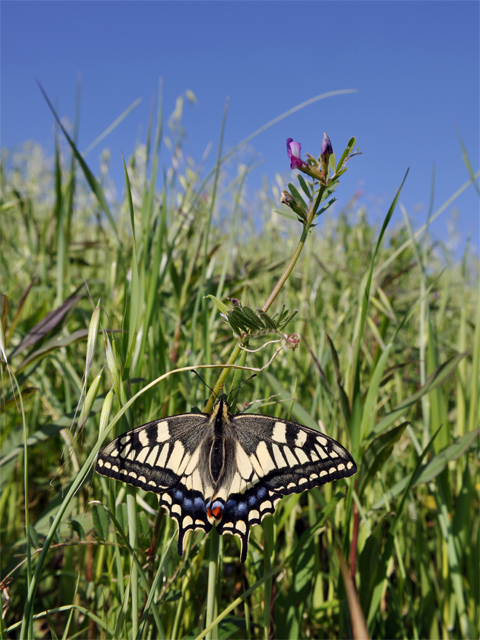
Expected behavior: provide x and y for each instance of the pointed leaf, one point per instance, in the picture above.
(49, 322)
(219, 304)
(100, 521)
(375, 455)
(433, 467)
(435, 379)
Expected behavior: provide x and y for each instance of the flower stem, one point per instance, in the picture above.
(236, 350)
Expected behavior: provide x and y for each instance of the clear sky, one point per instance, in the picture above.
(415, 66)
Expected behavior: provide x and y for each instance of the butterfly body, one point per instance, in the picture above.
(223, 469)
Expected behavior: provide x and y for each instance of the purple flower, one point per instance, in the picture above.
(326, 146)
(294, 154)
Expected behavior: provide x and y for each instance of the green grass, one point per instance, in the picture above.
(105, 299)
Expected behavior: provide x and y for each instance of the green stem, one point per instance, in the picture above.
(212, 580)
(236, 350)
(132, 534)
(288, 270)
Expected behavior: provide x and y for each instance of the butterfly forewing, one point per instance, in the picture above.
(292, 457)
(231, 470)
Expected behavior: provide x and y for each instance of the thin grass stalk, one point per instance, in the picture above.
(28, 543)
(132, 535)
(461, 394)
(356, 407)
(388, 261)
(153, 590)
(473, 418)
(69, 607)
(238, 601)
(453, 561)
(214, 540)
(200, 294)
(95, 187)
(154, 282)
(267, 565)
(423, 324)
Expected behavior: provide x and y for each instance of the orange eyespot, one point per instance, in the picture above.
(217, 512)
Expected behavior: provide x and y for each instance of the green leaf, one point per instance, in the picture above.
(296, 194)
(53, 345)
(94, 186)
(34, 538)
(300, 414)
(101, 521)
(288, 214)
(43, 435)
(347, 152)
(136, 295)
(371, 399)
(251, 316)
(77, 527)
(433, 467)
(344, 403)
(376, 454)
(305, 187)
(269, 323)
(219, 304)
(49, 322)
(327, 206)
(302, 567)
(122, 516)
(438, 377)
(332, 162)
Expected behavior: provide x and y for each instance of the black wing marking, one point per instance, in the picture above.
(274, 458)
(163, 456)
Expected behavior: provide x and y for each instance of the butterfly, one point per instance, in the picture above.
(223, 469)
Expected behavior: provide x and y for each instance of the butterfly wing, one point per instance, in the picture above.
(163, 456)
(265, 459)
(273, 458)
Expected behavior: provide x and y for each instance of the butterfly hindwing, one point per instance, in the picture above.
(243, 511)
(223, 469)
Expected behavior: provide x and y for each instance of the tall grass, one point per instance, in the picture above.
(102, 298)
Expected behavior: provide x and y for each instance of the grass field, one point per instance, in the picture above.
(105, 298)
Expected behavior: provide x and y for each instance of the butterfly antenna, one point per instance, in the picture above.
(202, 380)
(239, 387)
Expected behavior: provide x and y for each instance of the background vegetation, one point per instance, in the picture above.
(390, 370)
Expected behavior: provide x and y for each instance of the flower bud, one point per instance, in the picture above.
(294, 204)
(325, 152)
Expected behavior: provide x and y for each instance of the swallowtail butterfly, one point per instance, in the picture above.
(223, 469)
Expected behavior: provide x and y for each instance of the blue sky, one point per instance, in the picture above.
(414, 64)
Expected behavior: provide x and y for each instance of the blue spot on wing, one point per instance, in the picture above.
(191, 504)
(242, 509)
(238, 509)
